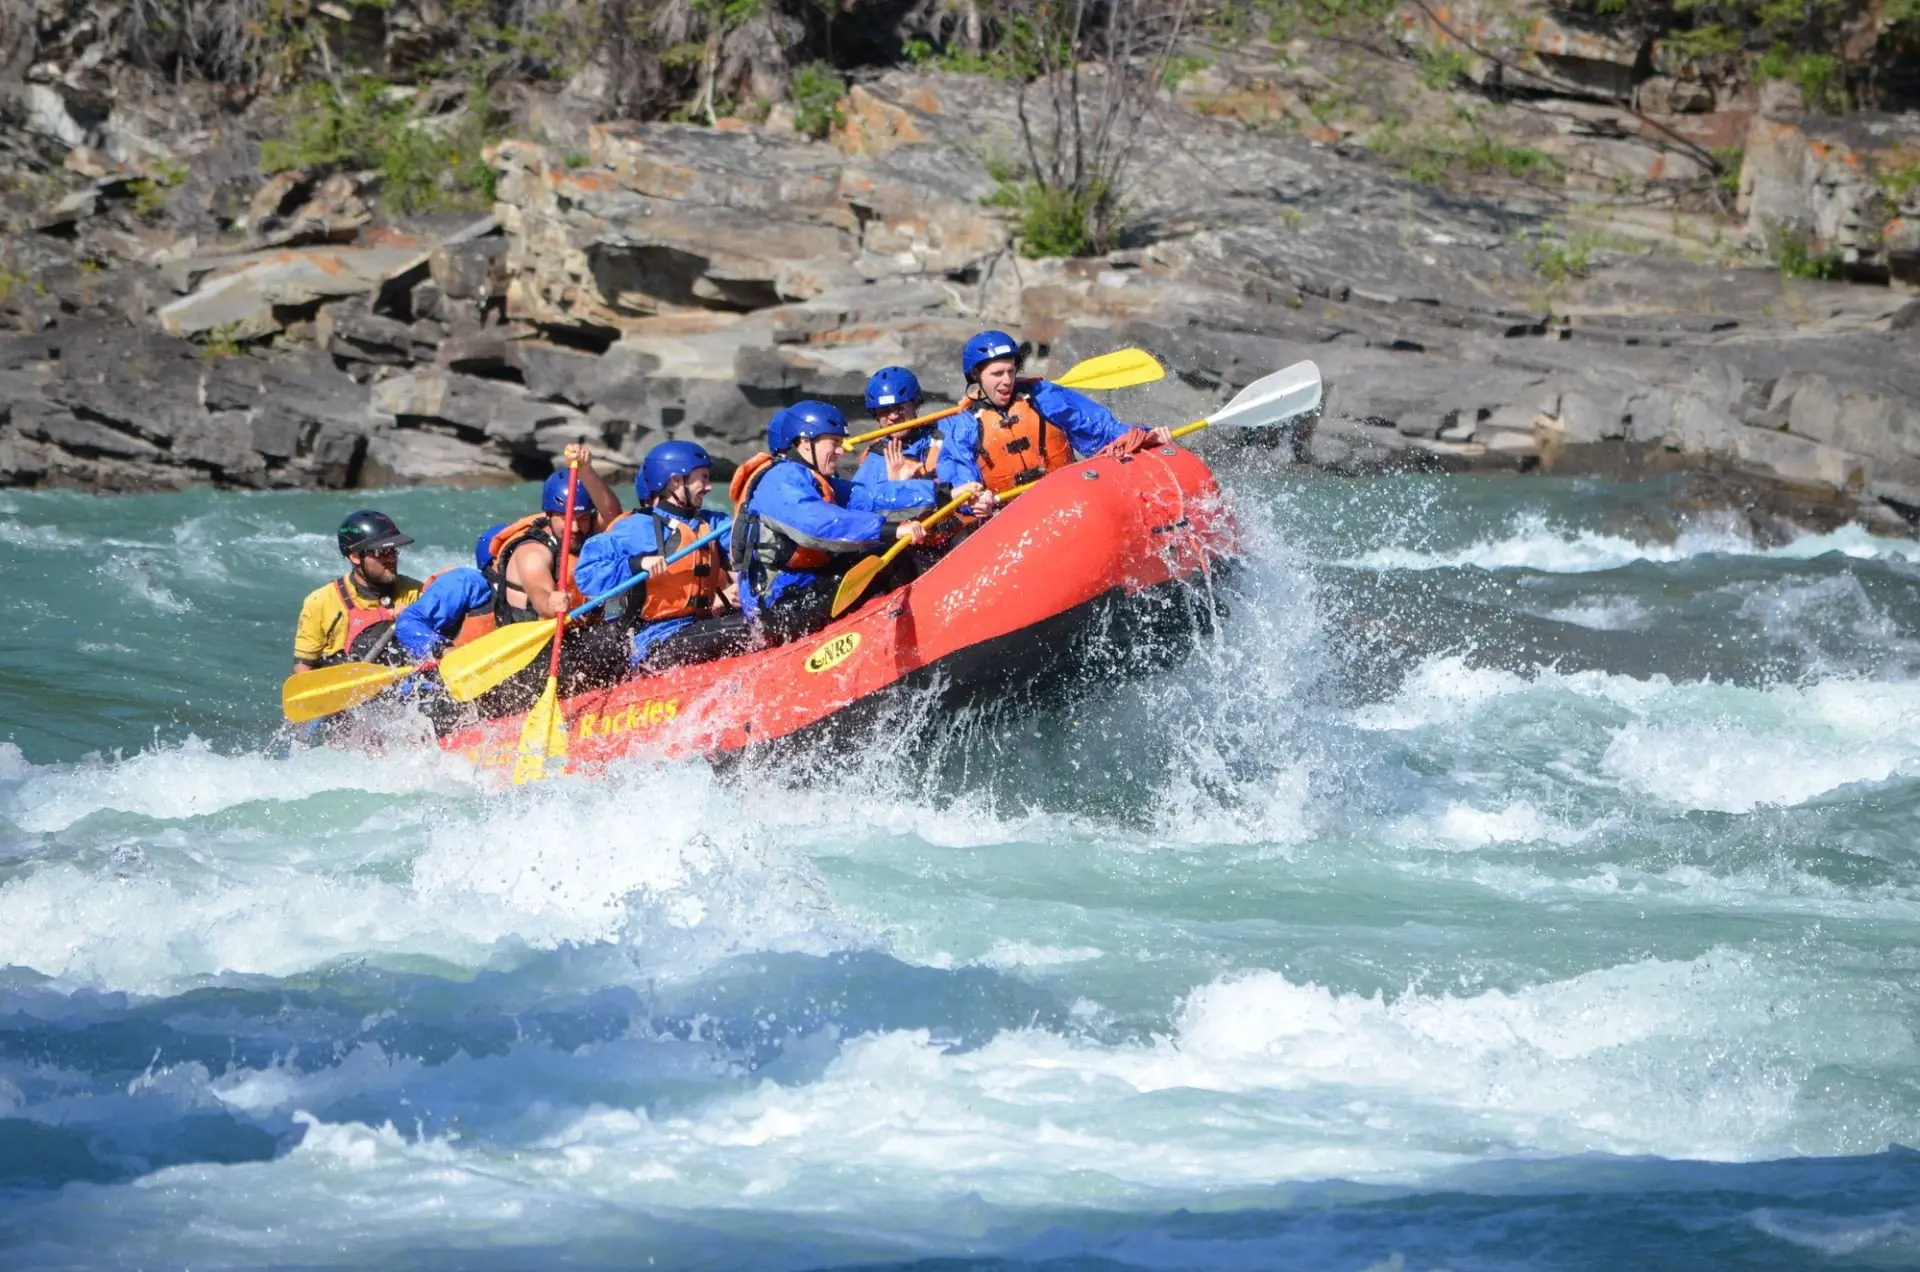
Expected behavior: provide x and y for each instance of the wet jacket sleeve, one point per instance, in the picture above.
(959, 461)
(1089, 426)
(894, 500)
(605, 562)
(423, 627)
(788, 500)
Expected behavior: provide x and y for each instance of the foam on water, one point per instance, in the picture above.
(1731, 749)
(1699, 745)
(402, 857)
(1462, 827)
(1605, 614)
(1534, 542)
(191, 780)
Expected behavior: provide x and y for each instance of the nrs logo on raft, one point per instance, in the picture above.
(834, 652)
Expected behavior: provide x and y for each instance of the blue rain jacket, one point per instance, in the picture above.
(424, 627)
(1089, 426)
(855, 521)
(607, 561)
(873, 469)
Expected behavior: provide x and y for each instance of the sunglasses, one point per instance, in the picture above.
(383, 554)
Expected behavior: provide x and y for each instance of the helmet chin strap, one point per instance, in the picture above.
(813, 454)
(675, 500)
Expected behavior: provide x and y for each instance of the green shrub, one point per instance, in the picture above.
(962, 62)
(149, 197)
(1709, 40)
(1327, 17)
(816, 100)
(421, 167)
(1797, 259)
(1432, 157)
(1055, 221)
(1442, 68)
(1488, 154)
(1901, 181)
(1817, 74)
(1180, 66)
(1729, 160)
(1558, 260)
(221, 342)
(11, 280)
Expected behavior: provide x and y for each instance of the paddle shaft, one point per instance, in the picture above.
(933, 519)
(564, 574)
(597, 601)
(903, 426)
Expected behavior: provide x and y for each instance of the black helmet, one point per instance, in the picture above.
(367, 531)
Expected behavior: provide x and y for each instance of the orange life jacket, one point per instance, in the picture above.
(744, 478)
(690, 586)
(536, 528)
(759, 540)
(1018, 445)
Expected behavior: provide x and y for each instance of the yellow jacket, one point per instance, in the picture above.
(322, 629)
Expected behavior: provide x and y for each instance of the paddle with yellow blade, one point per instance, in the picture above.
(471, 669)
(855, 582)
(1268, 402)
(1121, 369)
(325, 691)
(543, 738)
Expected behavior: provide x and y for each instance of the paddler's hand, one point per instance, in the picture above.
(1135, 440)
(557, 604)
(653, 565)
(899, 467)
(577, 452)
(984, 501)
(911, 531)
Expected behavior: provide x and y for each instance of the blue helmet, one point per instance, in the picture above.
(984, 348)
(553, 495)
(892, 386)
(665, 462)
(483, 546)
(804, 419)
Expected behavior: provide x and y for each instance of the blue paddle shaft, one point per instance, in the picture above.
(643, 576)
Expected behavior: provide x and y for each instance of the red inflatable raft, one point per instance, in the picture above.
(1075, 579)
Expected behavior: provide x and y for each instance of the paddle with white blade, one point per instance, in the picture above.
(1268, 402)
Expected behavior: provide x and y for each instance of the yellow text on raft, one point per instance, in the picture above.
(641, 715)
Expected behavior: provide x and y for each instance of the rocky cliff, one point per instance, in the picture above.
(180, 320)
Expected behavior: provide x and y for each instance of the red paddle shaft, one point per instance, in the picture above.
(564, 573)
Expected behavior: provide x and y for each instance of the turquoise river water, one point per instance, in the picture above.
(1520, 877)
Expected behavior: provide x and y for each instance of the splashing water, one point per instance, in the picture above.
(1515, 877)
